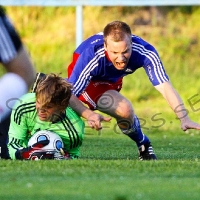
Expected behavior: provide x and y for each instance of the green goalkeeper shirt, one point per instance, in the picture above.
(25, 122)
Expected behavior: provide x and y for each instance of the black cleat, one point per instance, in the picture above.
(146, 152)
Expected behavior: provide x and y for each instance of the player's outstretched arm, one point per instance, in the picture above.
(94, 119)
(175, 102)
(23, 66)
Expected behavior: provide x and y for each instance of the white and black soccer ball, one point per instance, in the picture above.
(55, 145)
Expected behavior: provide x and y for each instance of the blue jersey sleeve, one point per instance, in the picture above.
(148, 57)
(155, 69)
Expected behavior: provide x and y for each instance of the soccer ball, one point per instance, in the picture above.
(55, 145)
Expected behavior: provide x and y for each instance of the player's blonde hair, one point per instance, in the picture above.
(54, 89)
(118, 30)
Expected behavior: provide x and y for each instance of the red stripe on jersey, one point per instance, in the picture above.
(71, 66)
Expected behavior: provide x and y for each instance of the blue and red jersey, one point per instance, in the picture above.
(91, 63)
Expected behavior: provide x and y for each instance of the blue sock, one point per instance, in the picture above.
(135, 133)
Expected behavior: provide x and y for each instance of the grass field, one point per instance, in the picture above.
(108, 169)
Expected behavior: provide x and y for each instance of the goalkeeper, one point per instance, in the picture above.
(45, 109)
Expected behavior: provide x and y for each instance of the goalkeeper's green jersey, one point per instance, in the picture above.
(25, 122)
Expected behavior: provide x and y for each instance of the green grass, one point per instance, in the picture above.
(108, 169)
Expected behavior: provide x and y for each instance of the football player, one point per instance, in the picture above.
(46, 109)
(97, 70)
(18, 78)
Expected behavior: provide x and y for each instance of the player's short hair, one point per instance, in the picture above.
(118, 30)
(55, 90)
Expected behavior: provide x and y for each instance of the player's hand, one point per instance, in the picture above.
(188, 124)
(34, 152)
(94, 120)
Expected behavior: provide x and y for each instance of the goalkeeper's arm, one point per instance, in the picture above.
(19, 152)
(13, 145)
(34, 152)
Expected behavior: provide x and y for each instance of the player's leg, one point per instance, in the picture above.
(105, 97)
(116, 105)
(4, 126)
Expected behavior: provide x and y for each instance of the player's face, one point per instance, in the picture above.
(119, 52)
(47, 112)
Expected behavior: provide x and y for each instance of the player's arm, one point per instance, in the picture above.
(17, 146)
(18, 152)
(13, 54)
(80, 76)
(16, 61)
(159, 79)
(22, 66)
(173, 99)
(17, 134)
(19, 77)
(18, 129)
(175, 102)
(13, 145)
(94, 119)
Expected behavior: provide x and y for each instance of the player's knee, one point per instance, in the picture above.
(125, 110)
(116, 105)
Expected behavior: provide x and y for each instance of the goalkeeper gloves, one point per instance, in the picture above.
(63, 155)
(35, 152)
